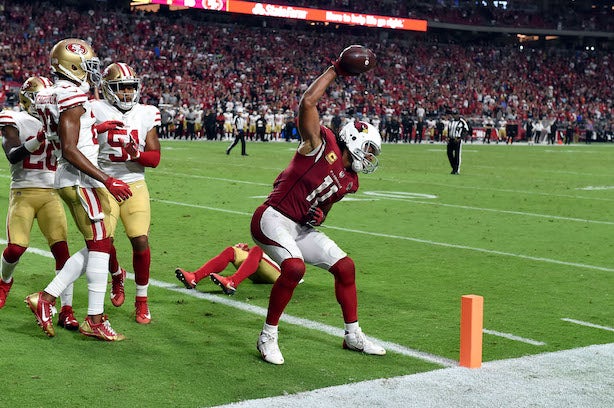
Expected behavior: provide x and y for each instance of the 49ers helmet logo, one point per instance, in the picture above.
(76, 48)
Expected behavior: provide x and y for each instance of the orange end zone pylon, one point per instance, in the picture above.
(472, 313)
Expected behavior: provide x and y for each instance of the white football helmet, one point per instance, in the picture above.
(120, 86)
(28, 91)
(76, 60)
(364, 143)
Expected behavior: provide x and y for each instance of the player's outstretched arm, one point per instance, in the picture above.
(308, 115)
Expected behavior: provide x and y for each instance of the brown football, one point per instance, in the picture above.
(357, 59)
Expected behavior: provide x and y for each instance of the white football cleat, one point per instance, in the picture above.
(268, 348)
(357, 341)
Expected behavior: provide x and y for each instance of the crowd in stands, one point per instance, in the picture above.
(186, 63)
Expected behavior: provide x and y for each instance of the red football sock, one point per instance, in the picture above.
(344, 272)
(60, 253)
(13, 252)
(141, 262)
(292, 271)
(248, 267)
(215, 264)
(113, 262)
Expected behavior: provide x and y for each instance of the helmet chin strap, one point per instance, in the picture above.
(84, 86)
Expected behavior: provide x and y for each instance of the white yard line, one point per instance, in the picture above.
(487, 251)
(514, 337)
(423, 241)
(587, 324)
(309, 324)
(297, 321)
(495, 210)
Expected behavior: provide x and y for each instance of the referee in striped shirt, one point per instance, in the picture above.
(457, 132)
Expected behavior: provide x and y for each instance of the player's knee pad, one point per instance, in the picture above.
(344, 271)
(103, 245)
(13, 252)
(292, 270)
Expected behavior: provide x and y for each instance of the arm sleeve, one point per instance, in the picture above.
(149, 159)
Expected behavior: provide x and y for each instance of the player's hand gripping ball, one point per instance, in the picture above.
(355, 60)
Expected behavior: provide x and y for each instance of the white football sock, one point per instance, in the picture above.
(66, 295)
(270, 329)
(73, 268)
(141, 290)
(7, 270)
(351, 327)
(96, 273)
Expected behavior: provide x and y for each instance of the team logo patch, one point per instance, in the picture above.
(76, 48)
(361, 126)
(349, 186)
(331, 157)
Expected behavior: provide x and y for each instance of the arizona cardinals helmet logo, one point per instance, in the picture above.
(361, 126)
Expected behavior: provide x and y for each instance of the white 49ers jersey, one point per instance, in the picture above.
(38, 169)
(50, 103)
(138, 121)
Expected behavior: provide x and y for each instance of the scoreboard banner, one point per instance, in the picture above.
(297, 13)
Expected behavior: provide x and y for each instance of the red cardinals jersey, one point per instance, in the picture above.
(317, 178)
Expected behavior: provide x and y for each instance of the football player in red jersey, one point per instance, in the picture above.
(251, 263)
(324, 169)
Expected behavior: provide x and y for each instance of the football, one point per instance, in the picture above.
(357, 59)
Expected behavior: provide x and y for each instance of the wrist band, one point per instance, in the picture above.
(32, 144)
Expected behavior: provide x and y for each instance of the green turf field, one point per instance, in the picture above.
(527, 227)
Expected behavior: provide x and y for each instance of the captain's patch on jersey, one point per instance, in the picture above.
(331, 157)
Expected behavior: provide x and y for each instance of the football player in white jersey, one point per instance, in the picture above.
(278, 120)
(124, 154)
(32, 194)
(68, 121)
(270, 120)
(228, 126)
(251, 127)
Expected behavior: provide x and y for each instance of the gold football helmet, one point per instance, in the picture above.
(120, 86)
(28, 91)
(75, 59)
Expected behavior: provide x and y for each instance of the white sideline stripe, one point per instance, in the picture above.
(422, 241)
(297, 321)
(309, 324)
(587, 324)
(514, 337)
(466, 207)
